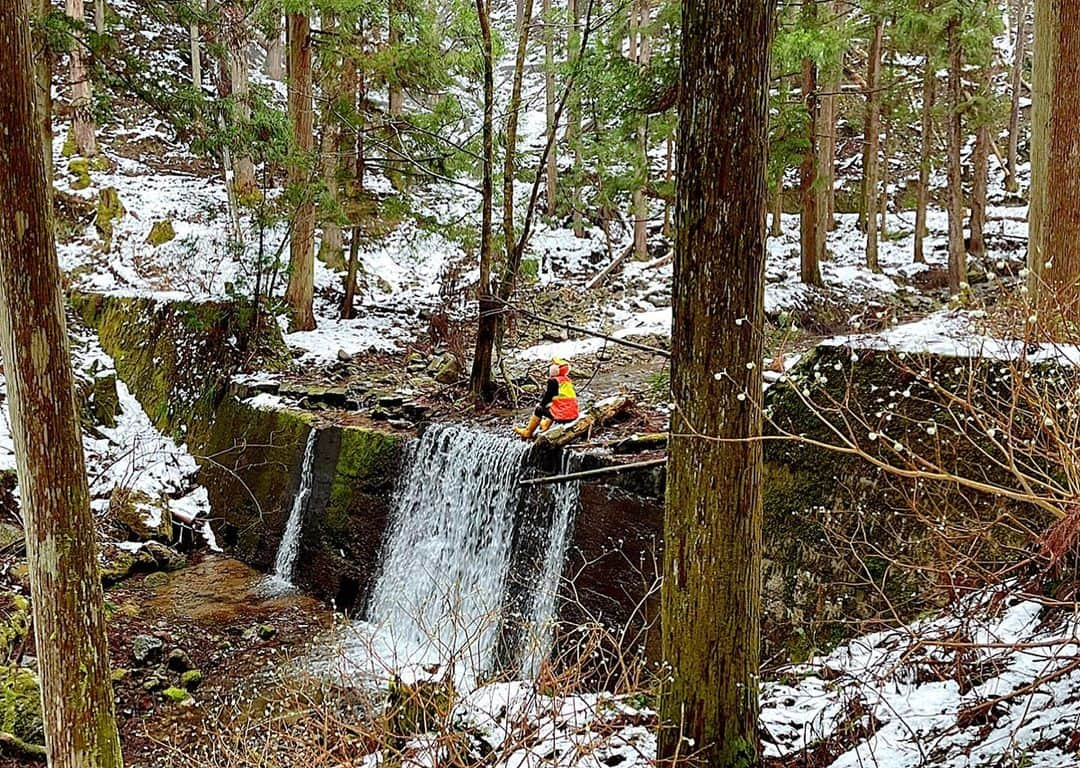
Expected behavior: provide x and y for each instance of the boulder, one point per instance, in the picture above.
(20, 705)
(146, 649)
(191, 679)
(178, 660)
(446, 369)
(109, 211)
(14, 622)
(167, 558)
(161, 232)
(156, 580)
(143, 516)
(119, 563)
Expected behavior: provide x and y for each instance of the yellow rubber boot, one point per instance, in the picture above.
(545, 424)
(526, 433)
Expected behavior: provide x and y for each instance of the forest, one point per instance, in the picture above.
(520, 383)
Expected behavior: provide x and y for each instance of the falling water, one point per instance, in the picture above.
(456, 538)
(285, 562)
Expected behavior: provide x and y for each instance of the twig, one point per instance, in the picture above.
(571, 476)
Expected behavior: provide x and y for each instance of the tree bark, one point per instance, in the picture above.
(196, 57)
(922, 192)
(552, 173)
(573, 122)
(1019, 44)
(711, 593)
(871, 144)
(355, 84)
(980, 166)
(811, 236)
(1053, 259)
(235, 81)
(513, 111)
(275, 52)
(43, 67)
(957, 253)
(395, 100)
(99, 16)
(480, 377)
(301, 288)
(640, 203)
(776, 228)
(82, 120)
(332, 245)
(68, 606)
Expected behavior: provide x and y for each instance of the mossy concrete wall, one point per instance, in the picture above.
(177, 358)
(846, 545)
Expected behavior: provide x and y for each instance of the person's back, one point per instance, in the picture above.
(558, 404)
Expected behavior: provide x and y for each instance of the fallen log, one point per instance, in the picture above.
(599, 414)
(614, 469)
(610, 268)
(638, 443)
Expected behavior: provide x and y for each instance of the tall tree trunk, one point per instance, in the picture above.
(827, 152)
(395, 100)
(82, 119)
(776, 228)
(275, 52)
(711, 593)
(513, 111)
(922, 193)
(811, 235)
(871, 142)
(957, 254)
(980, 167)
(235, 83)
(331, 248)
(552, 172)
(43, 71)
(1053, 258)
(480, 378)
(196, 58)
(573, 122)
(301, 288)
(669, 178)
(99, 16)
(1019, 43)
(65, 587)
(640, 203)
(355, 84)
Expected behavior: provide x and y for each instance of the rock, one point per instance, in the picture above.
(265, 631)
(103, 403)
(20, 704)
(166, 558)
(344, 356)
(156, 580)
(176, 694)
(390, 402)
(143, 516)
(11, 536)
(161, 232)
(191, 679)
(400, 423)
(446, 369)
(155, 681)
(118, 564)
(119, 675)
(14, 622)
(178, 660)
(384, 285)
(416, 363)
(146, 648)
(552, 333)
(109, 211)
(79, 168)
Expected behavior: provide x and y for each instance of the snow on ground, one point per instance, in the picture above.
(984, 686)
(133, 454)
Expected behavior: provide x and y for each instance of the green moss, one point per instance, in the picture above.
(79, 168)
(14, 622)
(365, 462)
(530, 269)
(69, 149)
(109, 211)
(20, 704)
(161, 232)
(176, 694)
(191, 679)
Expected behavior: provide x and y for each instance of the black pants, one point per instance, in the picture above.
(543, 412)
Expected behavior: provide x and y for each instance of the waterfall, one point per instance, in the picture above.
(465, 545)
(280, 579)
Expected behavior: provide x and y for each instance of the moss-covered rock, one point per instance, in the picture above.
(79, 169)
(191, 679)
(20, 704)
(14, 622)
(109, 211)
(175, 694)
(161, 232)
(144, 517)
